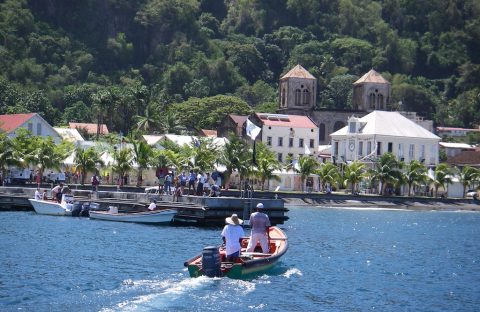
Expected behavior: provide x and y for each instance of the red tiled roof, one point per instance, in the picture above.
(239, 120)
(471, 158)
(372, 76)
(89, 127)
(9, 123)
(208, 133)
(291, 121)
(298, 72)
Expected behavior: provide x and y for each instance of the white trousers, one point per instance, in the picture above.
(258, 237)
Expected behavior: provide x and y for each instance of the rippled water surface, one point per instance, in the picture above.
(338, 260)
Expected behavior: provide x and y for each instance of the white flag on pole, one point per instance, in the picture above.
(307, 150)
(252, 130)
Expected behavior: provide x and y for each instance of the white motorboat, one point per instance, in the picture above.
(162, 216)
(53, 208)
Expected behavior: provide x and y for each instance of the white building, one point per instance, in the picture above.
(70, 135)
(180, 140)
(287, 134)
(380, 132)
(33, 122)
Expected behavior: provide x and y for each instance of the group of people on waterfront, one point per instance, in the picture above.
(233, 233)
(198, 183)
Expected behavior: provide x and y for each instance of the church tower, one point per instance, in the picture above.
(371, 92)
(297, 92)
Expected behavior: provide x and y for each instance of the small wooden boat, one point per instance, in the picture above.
(53, 208)
(162, 216)
(211, 262)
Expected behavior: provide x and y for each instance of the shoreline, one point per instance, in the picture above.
(398, 204)
(321, 200)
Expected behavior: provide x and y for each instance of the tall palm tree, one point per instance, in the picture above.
(170, 123)
(203, 154)
(8, 155)
(267, 163)
(46, 155)
(142, 155)
(86, 160)
(442, 177)
(328, 173)
(123, 163)
(306, 166)
(353, 174)
(415, 174)
(234, 155)
(151, 119)
(102, 100)
(387, 170)
(467, 176)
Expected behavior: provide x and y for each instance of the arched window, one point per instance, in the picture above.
(298, 97)
(283, 97)
(371, 101)
(306, 97)
(321, 132)
(338, 125)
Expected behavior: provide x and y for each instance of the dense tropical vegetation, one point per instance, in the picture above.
(130, 64)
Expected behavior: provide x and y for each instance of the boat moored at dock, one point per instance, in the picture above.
(161, 216)
(53, 208)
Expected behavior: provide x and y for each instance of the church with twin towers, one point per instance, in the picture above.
(297, 96)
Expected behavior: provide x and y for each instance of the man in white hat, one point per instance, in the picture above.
(232, 235)
(260, 224)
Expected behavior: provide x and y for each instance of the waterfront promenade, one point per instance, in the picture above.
(297, 199)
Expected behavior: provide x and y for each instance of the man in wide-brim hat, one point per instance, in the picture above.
(232, 235)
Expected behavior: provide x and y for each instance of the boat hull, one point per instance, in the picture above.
(51, 208)
(153, 217)
(249, 262)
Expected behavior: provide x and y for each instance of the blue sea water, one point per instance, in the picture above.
(338, 260)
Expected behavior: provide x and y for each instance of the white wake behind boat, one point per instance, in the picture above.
(48, 207)
(162, 216)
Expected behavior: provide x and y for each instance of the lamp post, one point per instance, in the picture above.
(114, 162)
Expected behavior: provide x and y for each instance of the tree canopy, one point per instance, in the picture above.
(145, 57)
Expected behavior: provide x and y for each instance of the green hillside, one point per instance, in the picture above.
(128, 61)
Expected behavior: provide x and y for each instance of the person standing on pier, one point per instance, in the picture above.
(200, 181)
(168, 184)
(95, 182)
(183, 181)
(260, 224)
(232, 235)
(191, 182)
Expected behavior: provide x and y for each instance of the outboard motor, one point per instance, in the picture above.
(77, 208)
(85, 212)
(211, 261)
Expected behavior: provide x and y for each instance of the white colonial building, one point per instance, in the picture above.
(32, 122)
(287, 135)
(381, 132)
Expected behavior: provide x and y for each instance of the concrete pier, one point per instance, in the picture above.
(193, 210)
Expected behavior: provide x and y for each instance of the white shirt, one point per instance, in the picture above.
(232, 234)
(200, 178)
(38, 196)
(152, 206)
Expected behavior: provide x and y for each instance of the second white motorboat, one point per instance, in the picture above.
(161, 216)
